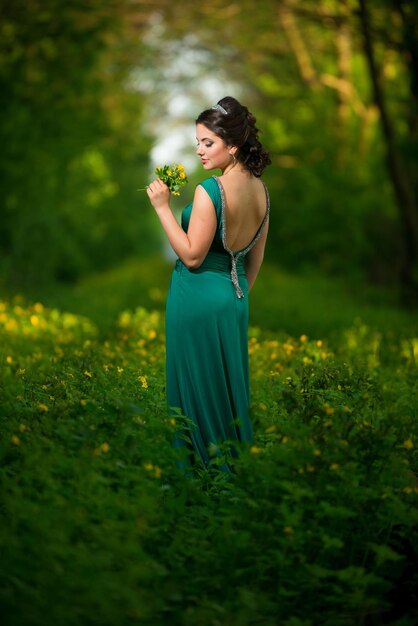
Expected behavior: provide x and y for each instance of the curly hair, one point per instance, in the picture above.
(237, 128)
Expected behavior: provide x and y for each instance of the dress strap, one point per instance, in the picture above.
(236, 255)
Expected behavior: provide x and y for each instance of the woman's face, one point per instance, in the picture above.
(211, 149)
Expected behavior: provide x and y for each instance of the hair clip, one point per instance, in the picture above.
(220, 108)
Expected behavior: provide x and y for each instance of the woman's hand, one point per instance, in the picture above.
(159, 195)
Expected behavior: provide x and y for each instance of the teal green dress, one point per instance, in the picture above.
(207, 373)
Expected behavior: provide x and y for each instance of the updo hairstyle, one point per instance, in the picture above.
(237, 128)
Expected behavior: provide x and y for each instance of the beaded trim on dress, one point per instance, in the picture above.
(236, 255)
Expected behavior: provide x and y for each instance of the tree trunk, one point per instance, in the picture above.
(404, 191)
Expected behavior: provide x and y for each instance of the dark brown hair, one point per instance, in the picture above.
(237, 128)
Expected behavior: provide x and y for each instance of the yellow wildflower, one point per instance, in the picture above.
(22, 428)
(105, 447)
(120, 370)
(15, 440)
(317, 452)
(303, 338)
(319, 343)
(408, 444)
(9, 359)
(34, 320)
(43, 407)
(255, 450)
(88, 374)
(148, 466)
(144, 382)
(152, 334)
(271, 429)
(288, 530)
(334, 466)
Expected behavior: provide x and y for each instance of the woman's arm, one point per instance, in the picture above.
(193, 246)
(254, 257)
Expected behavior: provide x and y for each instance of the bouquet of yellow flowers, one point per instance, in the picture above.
(173, 176)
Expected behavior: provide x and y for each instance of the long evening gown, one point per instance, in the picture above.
(207, 371)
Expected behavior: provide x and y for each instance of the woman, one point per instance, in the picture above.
(220, 248)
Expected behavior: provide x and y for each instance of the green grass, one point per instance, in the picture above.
(99, 526)
(280, 301)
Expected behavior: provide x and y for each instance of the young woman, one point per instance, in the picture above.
(220, 247)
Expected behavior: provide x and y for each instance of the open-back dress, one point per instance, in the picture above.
(207, 372)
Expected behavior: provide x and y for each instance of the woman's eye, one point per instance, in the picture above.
(208, 145)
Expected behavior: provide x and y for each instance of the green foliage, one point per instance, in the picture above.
(99, 526)
(71, 158)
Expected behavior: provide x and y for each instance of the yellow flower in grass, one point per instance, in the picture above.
(408, 444)
(303, 338)
(15, 440)
(144, 382)
(255, 450)
(150, 467)
(88, 374)
(43, 407)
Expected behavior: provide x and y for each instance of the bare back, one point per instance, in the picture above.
(245, 208)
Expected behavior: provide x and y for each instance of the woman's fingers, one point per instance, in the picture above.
(157, 185)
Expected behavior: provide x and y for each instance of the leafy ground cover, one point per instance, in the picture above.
(99, 526)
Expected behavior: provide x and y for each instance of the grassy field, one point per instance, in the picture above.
(99, 526)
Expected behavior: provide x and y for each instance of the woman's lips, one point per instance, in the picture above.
(203, 160)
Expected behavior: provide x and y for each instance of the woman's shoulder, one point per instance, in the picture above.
(208, 183)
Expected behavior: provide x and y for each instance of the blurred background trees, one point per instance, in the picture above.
(87, 87)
